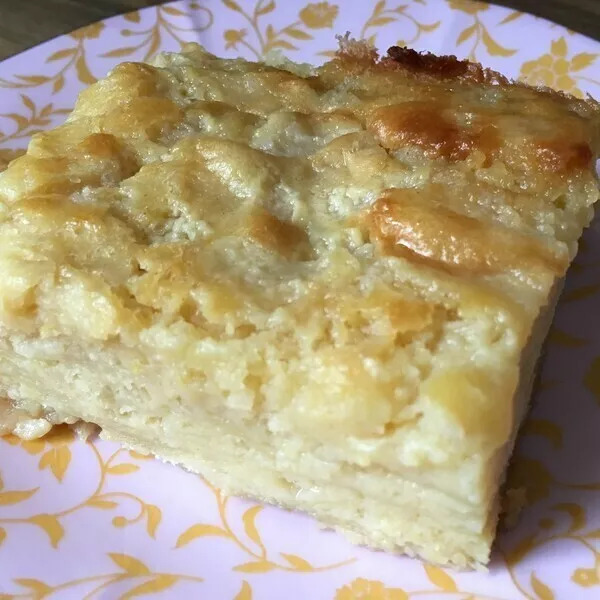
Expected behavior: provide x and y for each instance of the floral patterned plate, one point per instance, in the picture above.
(90, 520)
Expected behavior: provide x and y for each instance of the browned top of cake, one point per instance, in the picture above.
(364, 211)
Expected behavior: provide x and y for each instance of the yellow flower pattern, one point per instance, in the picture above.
(30, 121)
(92, 31)
(477, 33)
(71, 58)
(259, 561)
(319, 16)
(267, 37)
(471, 7)
(140, 580)
(587, 577)
(56, 456)
(149, 40)
(57, 508)
(363, 589)
(384, 15)
(556, 70)
(53, 449)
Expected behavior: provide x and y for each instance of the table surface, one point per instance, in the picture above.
(26, 23)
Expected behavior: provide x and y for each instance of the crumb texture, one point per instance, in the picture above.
(345, 263)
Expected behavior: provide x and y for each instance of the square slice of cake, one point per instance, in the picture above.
(325, 288)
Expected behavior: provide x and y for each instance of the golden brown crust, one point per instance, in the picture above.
(559, 156)
(326, 229)
(448, 68)
(425, 125)
(405, 224)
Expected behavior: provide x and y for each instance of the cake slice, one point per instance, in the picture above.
(324, 288)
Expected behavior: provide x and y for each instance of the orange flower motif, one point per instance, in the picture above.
(554, 69)
(233, 37)
(469, 6)
(319, 16)
(364, 589)
(89, 31)
(586, 577)
(54, 448)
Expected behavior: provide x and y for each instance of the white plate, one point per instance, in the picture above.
(79, 519)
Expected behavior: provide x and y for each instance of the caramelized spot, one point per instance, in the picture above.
(558, 156)
(440, 67)
(383, 311)
(127, 81)
(488, 142)
(152, 116)
(426, 126)
(136, 79)
(406, 225)
(405, 316)
(101, 145)
(285, 238)
(105, 146)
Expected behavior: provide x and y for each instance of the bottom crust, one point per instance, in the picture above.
(418, 522)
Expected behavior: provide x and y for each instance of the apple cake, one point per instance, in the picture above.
(326, 288)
